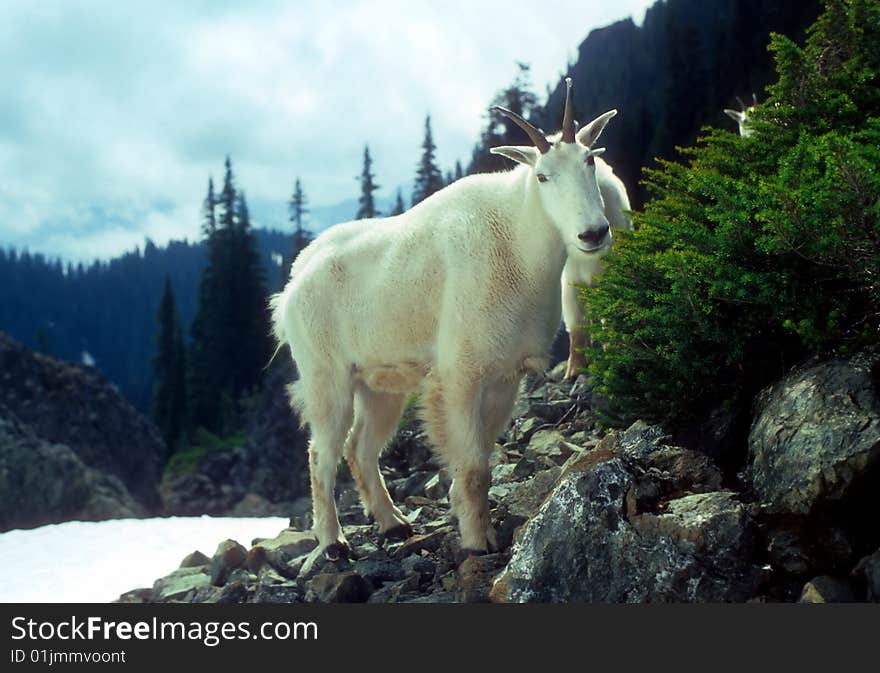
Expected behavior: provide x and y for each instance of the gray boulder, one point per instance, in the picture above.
(816, 435)
(42, 482)
(344, 587)
(868, 570)
(67, 404)
(827, 589)
(587, 544)
(282, 552)
(230, 556)
(177, 585)
(194, 560)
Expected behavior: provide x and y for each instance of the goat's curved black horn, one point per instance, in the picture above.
(534, 133)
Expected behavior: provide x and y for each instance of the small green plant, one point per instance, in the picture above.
(203, 443)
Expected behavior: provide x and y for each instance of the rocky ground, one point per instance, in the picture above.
(583, 515)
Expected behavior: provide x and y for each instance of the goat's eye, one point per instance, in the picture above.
(591, 160)
(542, 177)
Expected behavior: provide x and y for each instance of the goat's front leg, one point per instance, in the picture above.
(469, 499)
(575, 318)
(577, 361)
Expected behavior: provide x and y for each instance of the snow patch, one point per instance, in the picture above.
(96, 561)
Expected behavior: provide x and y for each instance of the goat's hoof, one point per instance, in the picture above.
(336, 551)
(398, 533)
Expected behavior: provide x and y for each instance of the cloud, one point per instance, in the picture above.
(112, 108)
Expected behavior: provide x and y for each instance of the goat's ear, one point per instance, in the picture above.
(733, 114)
(522, 154)
(588, 135)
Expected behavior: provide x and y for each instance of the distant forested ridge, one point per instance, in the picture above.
(674, 74)
(106, 312)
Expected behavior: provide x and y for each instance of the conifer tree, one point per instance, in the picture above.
(249, 349)
(204, 371)
(500, 130)
(298, 210)
(209, 205)
(399, 208)
(227, 198)
(230, 343)
(169, 388)
(429, 179)
(366, 203)
(301, 236)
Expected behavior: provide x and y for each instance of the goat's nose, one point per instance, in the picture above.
(594, 237)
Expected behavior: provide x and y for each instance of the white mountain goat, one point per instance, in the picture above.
(580, 268)
(741, 116)
(456, 299)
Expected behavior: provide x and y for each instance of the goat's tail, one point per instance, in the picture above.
(277, 305)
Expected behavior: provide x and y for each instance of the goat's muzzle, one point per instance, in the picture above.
(595, 239)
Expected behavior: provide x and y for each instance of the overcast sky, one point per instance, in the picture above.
(114, 114)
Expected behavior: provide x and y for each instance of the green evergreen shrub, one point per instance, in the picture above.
(752, 252)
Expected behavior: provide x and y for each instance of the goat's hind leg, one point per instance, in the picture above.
(376, 418)
(327, 408)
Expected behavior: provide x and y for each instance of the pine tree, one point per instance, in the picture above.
(178, 382)
(242, 213)
(230, 343)
(500, 130)
(429, 179)
(249, 349)
(227, 198)
(459, 173)
(366, 203)
(169, 388)
(301, 236)
(297, 207)
(399, 208)
(209, 217)
(205, 357)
